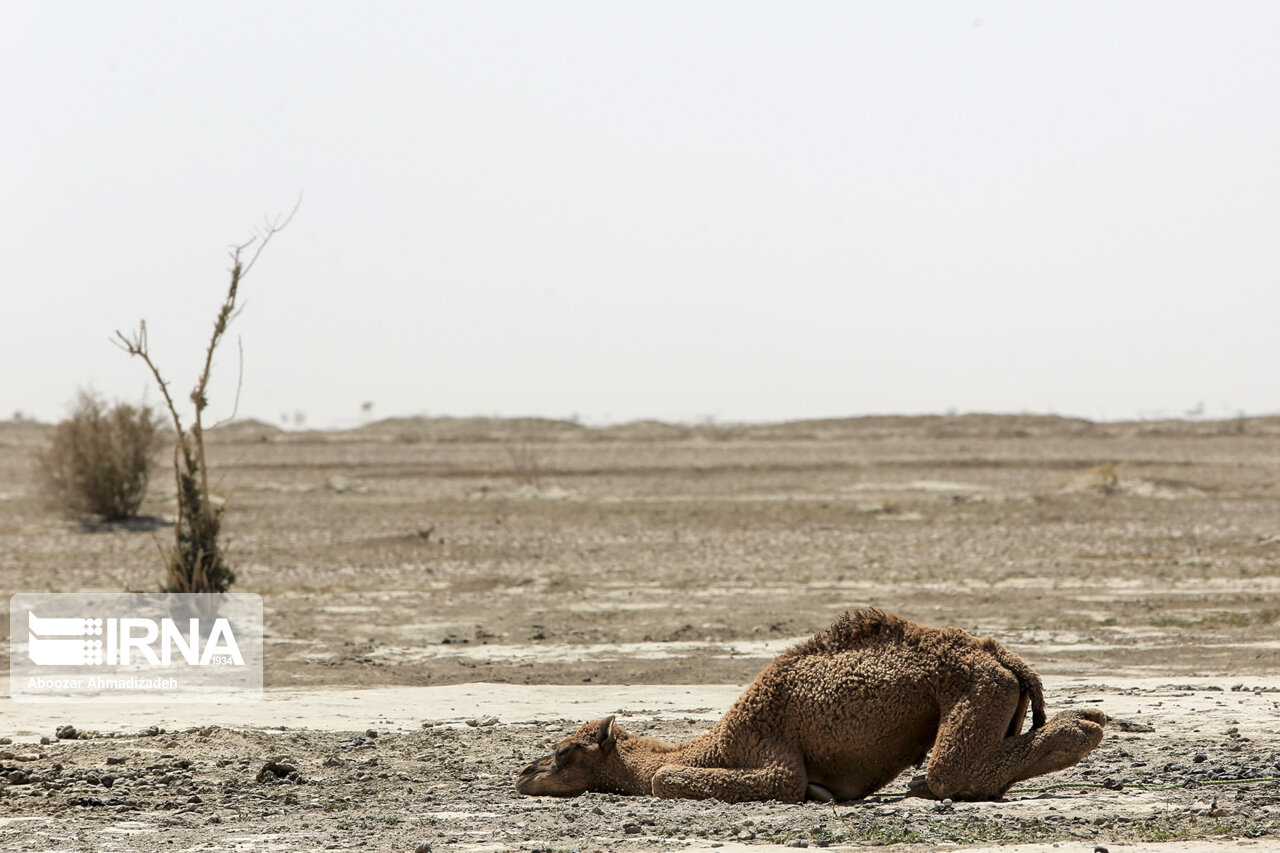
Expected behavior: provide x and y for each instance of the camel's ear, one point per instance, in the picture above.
(606, 738)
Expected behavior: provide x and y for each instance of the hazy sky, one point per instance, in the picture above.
(673, 210)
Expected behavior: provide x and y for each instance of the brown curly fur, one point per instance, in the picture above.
(841, 715)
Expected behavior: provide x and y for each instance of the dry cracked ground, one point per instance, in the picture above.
(427, 574)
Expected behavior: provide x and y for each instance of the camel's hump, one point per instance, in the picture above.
(851, 631)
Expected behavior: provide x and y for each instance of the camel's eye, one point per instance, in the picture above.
(563, 753)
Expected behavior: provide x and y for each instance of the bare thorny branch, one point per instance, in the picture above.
(235, 406)
(189, 452)
(136, 344)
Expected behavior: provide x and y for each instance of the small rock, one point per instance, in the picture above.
(66, 733)
(276, 768)
(16, 777)
(45, 741)
(1100, 849)
(482, 721)
(107, 779)
(424, 847)
(214, 819)
(6, 740)
(799, 842)
(115, 759)
(371, 733)
(1199, 758)
(356, 743)
(631, 828)
(1117, 724)
(27, 756)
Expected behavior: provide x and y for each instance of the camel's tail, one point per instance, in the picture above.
(1028, 682)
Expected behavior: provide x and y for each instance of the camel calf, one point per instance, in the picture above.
(839, 716)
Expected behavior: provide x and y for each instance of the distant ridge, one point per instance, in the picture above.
(867, 427)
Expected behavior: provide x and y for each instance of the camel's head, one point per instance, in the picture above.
(575, 767)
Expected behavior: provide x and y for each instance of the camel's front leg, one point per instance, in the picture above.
(730, 785)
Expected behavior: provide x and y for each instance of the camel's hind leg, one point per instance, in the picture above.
(975, 758)
(731, 785)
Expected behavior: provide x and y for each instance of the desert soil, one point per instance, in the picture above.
(420, 575)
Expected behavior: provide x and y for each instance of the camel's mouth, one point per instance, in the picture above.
(526, 782)
(535, 784)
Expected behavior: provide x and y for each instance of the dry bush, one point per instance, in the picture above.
(100, 459)
(526, 461)
(1106, 478)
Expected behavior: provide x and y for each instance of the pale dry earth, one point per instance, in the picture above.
(1135, 565)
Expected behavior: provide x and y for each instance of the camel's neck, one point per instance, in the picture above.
(635, 760)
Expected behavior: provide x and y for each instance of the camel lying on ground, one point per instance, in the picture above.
(839, 716)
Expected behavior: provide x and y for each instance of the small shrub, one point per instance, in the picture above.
(100, 459)
(1106, 478)
(526, 462)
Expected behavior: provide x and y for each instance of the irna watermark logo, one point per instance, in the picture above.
(135, 647)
